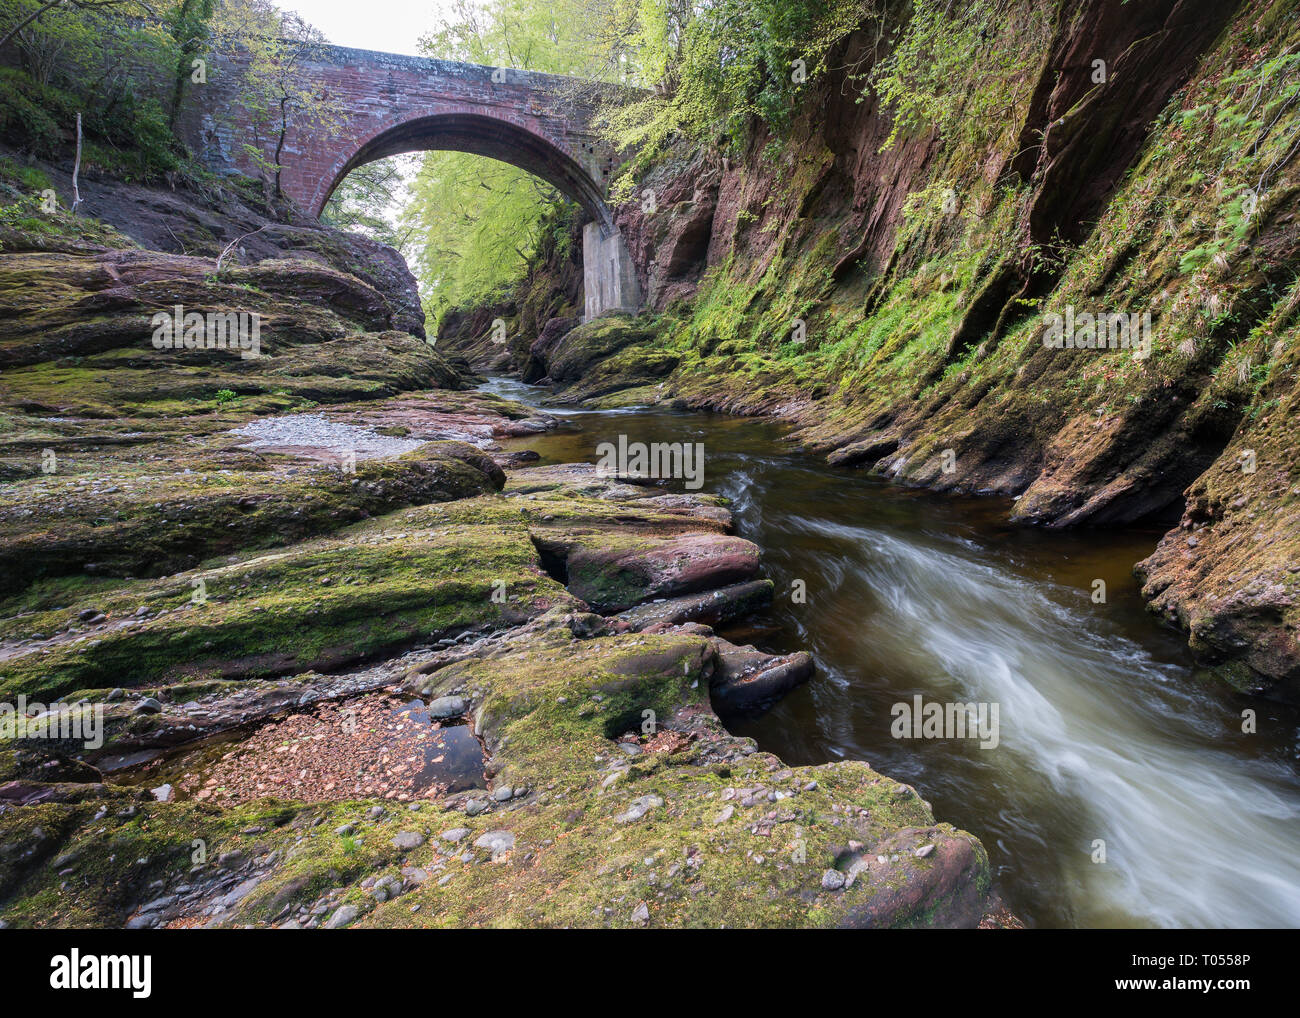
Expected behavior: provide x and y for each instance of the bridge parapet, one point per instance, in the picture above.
(393, 103)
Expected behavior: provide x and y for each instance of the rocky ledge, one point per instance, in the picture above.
(295, 587)
(611, 793)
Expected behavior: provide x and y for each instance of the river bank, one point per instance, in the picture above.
(203, 546)
(890, 284)
(1109, 730)
(589, 816)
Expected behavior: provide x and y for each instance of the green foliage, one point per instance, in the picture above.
(33, 115)
(367, 197)
(101, 61)
(592, 39)
(190, 28)
(475, 224)
(723, 68)
(975, 44)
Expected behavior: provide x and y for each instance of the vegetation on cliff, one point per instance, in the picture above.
(883, 264)
(862, 217)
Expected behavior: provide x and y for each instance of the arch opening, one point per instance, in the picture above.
(485, 136)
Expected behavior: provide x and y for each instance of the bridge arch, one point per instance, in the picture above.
(483, 134)
(392, 103)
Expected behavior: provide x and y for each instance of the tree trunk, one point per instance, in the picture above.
(76, 169)
(279, 145)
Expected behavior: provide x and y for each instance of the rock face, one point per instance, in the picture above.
(581, 349)
(888, 286)
(179, 222)
(611, 580)
(195, 544)
(543, 347)
(747, 678)
(1229, 573)
(720, 605)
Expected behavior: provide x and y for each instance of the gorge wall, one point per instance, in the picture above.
(888, 285)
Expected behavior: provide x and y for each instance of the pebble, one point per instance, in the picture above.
(639, 808)
(832, 880)
(496, 842)
(318, 431)
(407, 840)
(447, 707)
(342, 916)
(454, 834)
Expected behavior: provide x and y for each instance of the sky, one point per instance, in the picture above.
(393, 26)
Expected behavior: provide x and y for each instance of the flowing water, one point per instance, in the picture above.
(1108, 736)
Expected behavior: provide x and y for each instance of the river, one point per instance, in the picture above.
(1109, 739)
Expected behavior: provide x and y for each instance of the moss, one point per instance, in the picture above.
(317, 605)
(142, 523)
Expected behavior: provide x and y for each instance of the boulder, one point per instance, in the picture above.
(746, 678)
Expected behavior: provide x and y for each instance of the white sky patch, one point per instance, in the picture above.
(391, 26)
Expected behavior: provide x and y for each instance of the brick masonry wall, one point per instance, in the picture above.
(393, 103)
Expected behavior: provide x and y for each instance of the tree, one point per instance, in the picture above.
(269, 46)
(107, 61)
(474, 225)
(367, 197)
(190, 28)
(39, 9)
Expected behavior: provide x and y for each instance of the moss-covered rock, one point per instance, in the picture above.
(145, 524)
(375, 588)
(692, 829)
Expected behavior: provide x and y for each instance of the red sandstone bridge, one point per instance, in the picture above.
(393, 104)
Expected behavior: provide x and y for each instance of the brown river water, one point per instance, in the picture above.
(1108, 736)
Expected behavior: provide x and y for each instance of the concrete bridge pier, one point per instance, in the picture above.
(608, 273)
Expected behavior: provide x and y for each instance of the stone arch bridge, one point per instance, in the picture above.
(393, 104)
